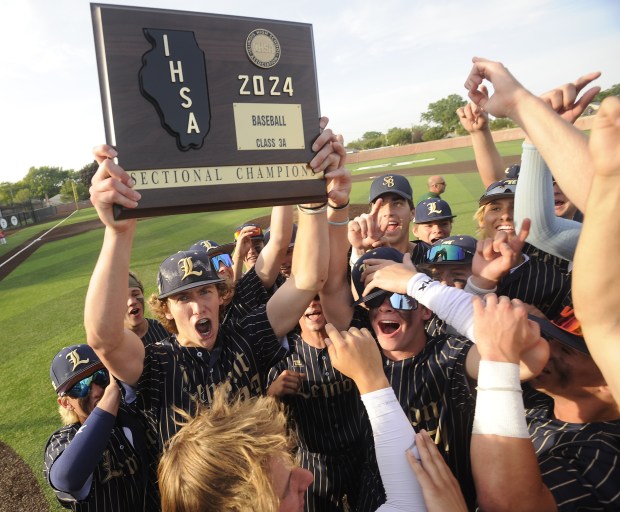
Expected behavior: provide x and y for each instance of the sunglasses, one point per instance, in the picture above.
(221, 259)
(258, 232)
(501, 187)
(442, 252)
(82, 388)
(568, 322)
(397, 301)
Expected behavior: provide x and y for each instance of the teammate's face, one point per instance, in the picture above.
(255, 248)
(430, 232)
(400, 333)
(287, 263)
(568, 373)
(451, 275)
(563, 207)
(289, 484)
(313, 319)
(196, 314)
(134, 316)
(498, 216)
(395, 216)
(84, 406)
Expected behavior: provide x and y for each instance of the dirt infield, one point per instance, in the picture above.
(19, 488)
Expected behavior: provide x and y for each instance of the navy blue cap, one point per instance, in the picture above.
(441, 252)
(431, 210)
(390, 184)
(382, 253)
(212, 248)
(71, 365)
(185, 270)
(512, 172)
(501, 189)
(293, 236)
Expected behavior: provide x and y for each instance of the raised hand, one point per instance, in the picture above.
(365, 231)
(388, 275)
(564, 100)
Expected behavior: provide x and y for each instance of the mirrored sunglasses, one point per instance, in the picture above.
(221, 259)
(567, 321)
(257, 232)
(397, 301)
(442, 252)
(82, 388)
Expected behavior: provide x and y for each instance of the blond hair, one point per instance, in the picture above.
(220, 459)
(68, 416)
(158, 307)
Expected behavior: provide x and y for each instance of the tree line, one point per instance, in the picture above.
(440, 121)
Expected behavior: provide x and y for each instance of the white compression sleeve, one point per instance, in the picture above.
(534, 200)
(393, 435)
(450, 304)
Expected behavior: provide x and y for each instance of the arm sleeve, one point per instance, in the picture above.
(73, 469)
(534, 200)
(393, 435)
(450, 304)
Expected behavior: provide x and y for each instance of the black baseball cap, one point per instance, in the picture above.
(452, 250)
(390, 184)
(431, 210)
(71, 365)
(501, 189)
(512, 171)
(185, 270)
(383, 253)
(212, 248)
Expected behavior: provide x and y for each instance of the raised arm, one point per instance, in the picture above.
(309, 262)
(119, 349)
(562, 146)
(596, 293)
(268, 263)
(505, 467)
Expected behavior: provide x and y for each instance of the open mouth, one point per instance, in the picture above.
(387, 327)
(433, 240)
(314, 316)
(392, 226)
(203, 327)
(505, 227)
(134, 311)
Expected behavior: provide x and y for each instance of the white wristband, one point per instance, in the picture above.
(472, 288)
(499, 402)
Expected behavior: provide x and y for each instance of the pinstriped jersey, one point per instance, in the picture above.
(545, 257)
(250, 293)
(433, 391)
(119, 480)
(326, 410)
(579, 462)
(156, 332)
(183, 377)
(537, 283)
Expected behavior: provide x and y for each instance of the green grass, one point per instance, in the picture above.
(42, 301)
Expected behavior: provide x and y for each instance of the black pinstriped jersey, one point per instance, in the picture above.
(538, 283)
(579, 462)
(183, 377)
(156, 332)
(433, 390)
(418, 253)
(250, 293)
(545, 257)
(120, 481)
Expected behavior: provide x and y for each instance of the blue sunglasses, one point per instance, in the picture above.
(397, 301)
(82, 388)
(221, 259)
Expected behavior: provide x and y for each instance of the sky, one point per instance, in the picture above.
(379, 63)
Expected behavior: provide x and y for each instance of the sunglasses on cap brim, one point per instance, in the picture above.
(82, 388)
(397, 301)
(221, 260)
(567, 321)
(442, 253)
(258, 232)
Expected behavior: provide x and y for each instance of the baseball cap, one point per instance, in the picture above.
(383, 253)
(71, 365)
(185, 270)
(452, 250)
(565, 328)
(212, 248)
(501, 189)
(392, 184)
(433, 209)
(259, 236)
(512, 172)
(293, 236)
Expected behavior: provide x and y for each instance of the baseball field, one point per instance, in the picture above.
(42, 299)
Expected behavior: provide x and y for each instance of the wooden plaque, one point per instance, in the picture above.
(208, 112)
